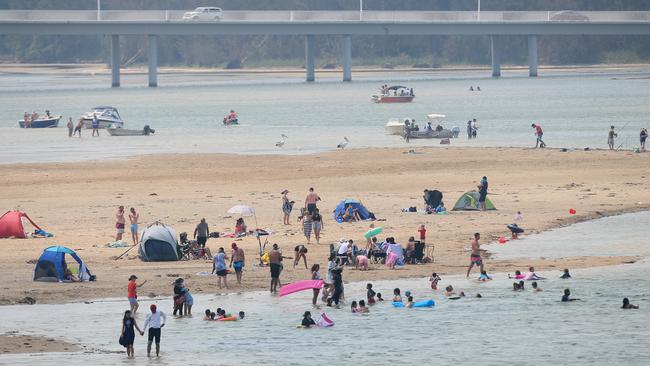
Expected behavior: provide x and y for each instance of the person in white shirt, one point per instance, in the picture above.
(342, 252)
(155, 321)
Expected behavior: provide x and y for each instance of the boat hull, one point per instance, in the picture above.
(103, 123)
(41, 123)
(444, 134)
(393, 99)
(125, 132)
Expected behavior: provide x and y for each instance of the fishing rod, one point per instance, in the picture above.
(619, 130)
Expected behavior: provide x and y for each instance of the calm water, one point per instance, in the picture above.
(575, 111)
(526, 327)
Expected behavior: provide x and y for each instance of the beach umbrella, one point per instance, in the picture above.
(242, 210)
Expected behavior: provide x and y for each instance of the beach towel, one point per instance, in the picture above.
(117, 244)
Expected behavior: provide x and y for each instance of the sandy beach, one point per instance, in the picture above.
(77, 202)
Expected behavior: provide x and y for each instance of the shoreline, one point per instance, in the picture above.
(76, 202)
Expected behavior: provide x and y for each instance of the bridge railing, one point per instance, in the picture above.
(332, 16)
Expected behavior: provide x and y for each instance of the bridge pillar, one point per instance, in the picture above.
(347, 58)
(115, 60)
(496, 62)
(153, 60)
(309, 58)
(532, 56)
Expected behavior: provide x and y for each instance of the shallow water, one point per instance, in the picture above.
(503, 326)
(575, 111)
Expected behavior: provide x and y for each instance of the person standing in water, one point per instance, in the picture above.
(475, 257)
(70, 126)
(482, 193)
(611, 135)
(134, 218)
(642, 137)
(155, 321)
(78, 128)
(95, 125)
(127, 337)
(275, 264)
(132, 293)
(539, 133)
(315, 276)
(469, 129)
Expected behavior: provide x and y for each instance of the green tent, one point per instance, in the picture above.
(468, 201)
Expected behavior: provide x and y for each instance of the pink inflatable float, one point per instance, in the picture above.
(300, 286)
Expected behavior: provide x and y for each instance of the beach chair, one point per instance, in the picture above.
(430, 249)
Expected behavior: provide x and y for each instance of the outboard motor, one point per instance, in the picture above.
(148, 130)
(455, 131)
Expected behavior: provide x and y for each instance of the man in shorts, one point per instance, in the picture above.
(201, 233)
(311, 200)
(275, 264)
(132, 294)
(237, 260)
(475, 257)
(155, 321)
(119, 223)
(482, 193)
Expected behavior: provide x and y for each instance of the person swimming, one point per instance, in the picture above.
(379, 298)
(449, 291)
(397, 297)
(627, 305)
(409, 302)
(566, 297)
(521, 285)
(207, 314)
(353, 307)
(213, 316)
(242, 315)
(434, 280)
(484, 277)
(535, 287)
(518, 275)
(307, 321)
(531, 275)
(362, 307)
(479, 296)
(566, 274)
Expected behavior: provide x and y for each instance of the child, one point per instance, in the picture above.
(396, 295)
(307, 321)
(241, 315)
(531, 275)
(449, 291)
(518, 216)
(535, 288)
(362, 307)
(409, 302)
(515, 286)
(627, 305)
(566, 298)
(434, 280)
(353, 307)
(566, 274)
(370, 294)
(189, 301)
(379, 298)
(521, 285)
(484, 277)
(423, 233)
(207, 314)
(213, 316)
(518, 275)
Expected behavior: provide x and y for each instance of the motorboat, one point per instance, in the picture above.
(106, 115)
(395, 126)
(146, 131)
(231, 119)
(48, 122)
(394, 94)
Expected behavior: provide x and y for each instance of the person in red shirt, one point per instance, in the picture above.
(132, 293)
(423, 233)
(539, 133)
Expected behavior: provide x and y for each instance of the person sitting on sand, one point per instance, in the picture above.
(397, 297)
(240, 227)
(566, 274)
(409, 302)
(484, 277)
(536, 288)
(531, 275)
(434, 280)
(68, 276)
(627, 305)
(362, 307)
(566, 297)
(449, 291)
(307, 321)
(353, 307)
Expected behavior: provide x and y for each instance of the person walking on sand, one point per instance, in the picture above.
(275, 264)
(70, 126)
(132, 293)
(237, 260)
(317, 224)
(78, 128)
(475, 257)
(127, 337)
(311, 200)
(642, 137)
(95, 125)
(307, 225)
(134, 218)
(482, 193)
(539, 133)
(154, 321)
(119, 223)
(287, 206)
(201, 233)
(219, 266)
(611, 135)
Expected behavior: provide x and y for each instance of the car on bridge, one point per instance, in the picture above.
(204, 13)
(569, 16)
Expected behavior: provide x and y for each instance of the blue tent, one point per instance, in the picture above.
(51, 266)
(347, 204)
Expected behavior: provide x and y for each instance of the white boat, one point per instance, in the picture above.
(127, 132)
(106, 115)
(395, 126)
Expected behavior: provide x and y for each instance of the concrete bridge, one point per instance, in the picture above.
(310, 23)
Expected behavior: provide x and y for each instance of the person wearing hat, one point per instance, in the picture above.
(132, 294)
(287, 206)
(610, 137)
(155, 321)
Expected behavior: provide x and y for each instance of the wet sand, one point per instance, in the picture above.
(77, 202)
(14, 343)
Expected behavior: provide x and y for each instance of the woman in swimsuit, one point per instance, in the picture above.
(134, 217)
(317, 224)
(301, 252)
(315, 275)
(397, 297)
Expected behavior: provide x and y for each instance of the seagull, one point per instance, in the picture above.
(343, 144)
(281, 142)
